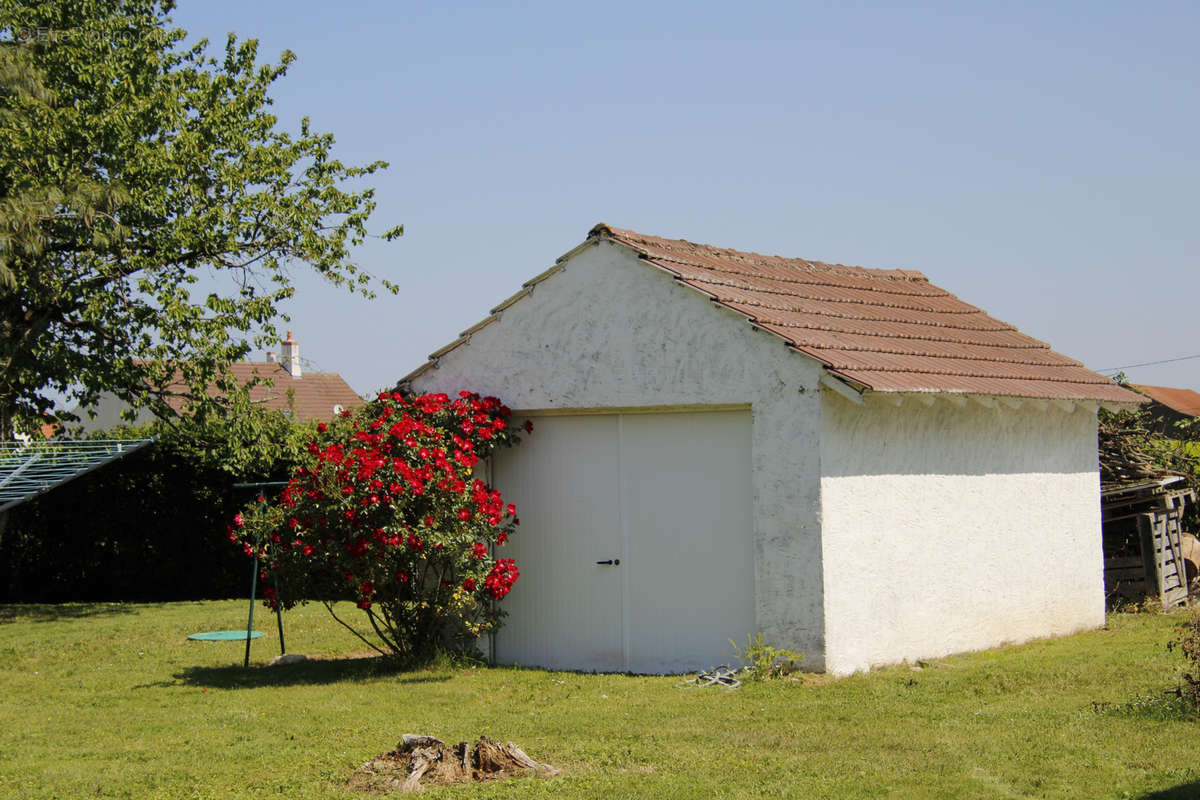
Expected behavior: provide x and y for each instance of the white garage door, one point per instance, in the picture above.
(664, 497)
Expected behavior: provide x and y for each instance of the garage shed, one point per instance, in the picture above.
(851, 461)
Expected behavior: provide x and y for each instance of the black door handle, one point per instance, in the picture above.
(612, 562)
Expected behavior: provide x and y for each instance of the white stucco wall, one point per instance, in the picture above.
(108, 410)
(948, 528)
(609, 332)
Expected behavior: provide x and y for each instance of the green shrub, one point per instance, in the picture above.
(1187, 644)
(761, 661)
(387, 511)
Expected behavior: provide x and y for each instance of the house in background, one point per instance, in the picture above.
(1170, 406)
(853, 462)
(305, 396)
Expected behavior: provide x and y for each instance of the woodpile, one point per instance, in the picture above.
(420, 761)
(1123, 459)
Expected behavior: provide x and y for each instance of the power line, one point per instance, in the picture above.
(1149, 363)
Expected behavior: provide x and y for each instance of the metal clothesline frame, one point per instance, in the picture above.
(30, 469)
(254, 582)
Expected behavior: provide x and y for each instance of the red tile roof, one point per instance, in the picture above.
(312, 396)
(1185, 401)
(885, 330)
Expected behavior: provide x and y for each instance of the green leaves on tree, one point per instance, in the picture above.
(132, 166)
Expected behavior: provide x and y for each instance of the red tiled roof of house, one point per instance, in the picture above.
(1185, 401)
(310, 397)
(313, 395)
(886, 330)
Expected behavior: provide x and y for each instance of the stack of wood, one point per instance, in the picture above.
(1123, 457)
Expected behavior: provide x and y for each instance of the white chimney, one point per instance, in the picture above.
(289, 355)
(271, 357)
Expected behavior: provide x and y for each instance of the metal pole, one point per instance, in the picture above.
(279, 611)
(254, 579)
(279, 620)
(250, 622)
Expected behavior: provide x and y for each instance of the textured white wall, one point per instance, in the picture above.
(948, 528)
(108, 411)
(610, 332)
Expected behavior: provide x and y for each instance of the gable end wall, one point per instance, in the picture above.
(611, 332)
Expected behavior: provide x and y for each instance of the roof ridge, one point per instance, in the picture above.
(1167, 388)
(633, 239)
(788, 279)
(282, 367)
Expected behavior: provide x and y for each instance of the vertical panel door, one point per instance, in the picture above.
(668, 495)
(686, 509)
(565, 610)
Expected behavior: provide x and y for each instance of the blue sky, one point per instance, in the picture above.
(1039, 160)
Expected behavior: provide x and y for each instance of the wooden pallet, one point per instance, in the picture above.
(1142, 546)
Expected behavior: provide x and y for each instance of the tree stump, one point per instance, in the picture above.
(426, 760)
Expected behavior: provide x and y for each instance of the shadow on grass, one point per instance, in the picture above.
(1184, 791)
(53, 612)
(318, 671)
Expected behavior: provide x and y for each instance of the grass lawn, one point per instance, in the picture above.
(113, 701)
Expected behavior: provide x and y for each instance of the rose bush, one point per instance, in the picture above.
(389, 512)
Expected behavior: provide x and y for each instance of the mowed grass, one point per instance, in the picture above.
(113, 701)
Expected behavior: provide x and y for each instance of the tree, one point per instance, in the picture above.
(131, 165)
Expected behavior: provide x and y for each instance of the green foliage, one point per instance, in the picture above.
(763, 662)
(131, 165)
(386, 510)
(150, 526)
(1187, 644)
(1177, 453)
(247, 441)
